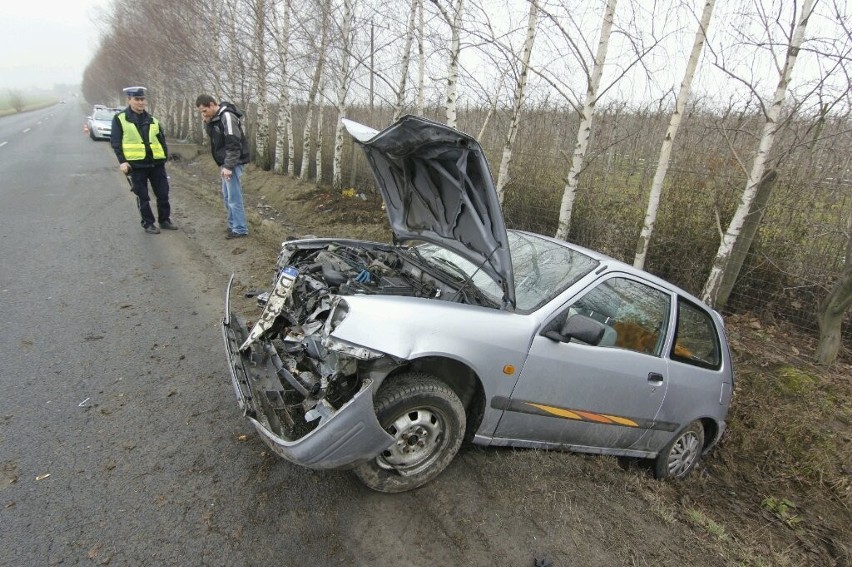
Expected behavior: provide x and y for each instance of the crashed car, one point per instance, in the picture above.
(384, 358)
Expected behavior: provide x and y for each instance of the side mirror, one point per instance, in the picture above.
(580, 327)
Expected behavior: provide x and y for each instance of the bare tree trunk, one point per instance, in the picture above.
(666, 147)
(503, 176)
(833, 308)
(421, 63)
(284, 136)
(713, 285)
(747, 236)
(584, 131)
(454, 21)
(233, 41)
(320, 140)
(315, 83)
(262, 132)
(218, 44)
(342, 87)
(406, 58)
(284, 128)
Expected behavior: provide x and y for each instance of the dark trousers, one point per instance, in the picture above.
(139, 177)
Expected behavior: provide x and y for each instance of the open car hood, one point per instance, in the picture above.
(437, 188)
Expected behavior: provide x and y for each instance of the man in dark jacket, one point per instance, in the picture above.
(140, 146)
(230, 151)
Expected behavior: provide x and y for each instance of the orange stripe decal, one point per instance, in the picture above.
(556, 411)
(623, 421)
(594, 417)
(584, 415)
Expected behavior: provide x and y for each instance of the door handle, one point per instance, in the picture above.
(655, 378)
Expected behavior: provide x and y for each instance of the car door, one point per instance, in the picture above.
(700, 385)
(595, 396)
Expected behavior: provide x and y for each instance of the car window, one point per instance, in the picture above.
(696, 340)
(542, 269)
(104, 115)
(635, 314)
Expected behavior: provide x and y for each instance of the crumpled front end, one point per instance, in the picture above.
(309, 396)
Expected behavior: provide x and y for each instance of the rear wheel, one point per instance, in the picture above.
(681, 455)
(427, 421)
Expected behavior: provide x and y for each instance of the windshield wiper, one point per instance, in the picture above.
(462, 274)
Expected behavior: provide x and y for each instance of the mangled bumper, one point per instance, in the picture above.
(350, 435)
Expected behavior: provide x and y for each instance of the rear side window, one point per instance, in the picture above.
(696, 340)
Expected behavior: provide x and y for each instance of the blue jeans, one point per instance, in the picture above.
(232, 195)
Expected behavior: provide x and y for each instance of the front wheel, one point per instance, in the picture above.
(427, 421)
(681, 455)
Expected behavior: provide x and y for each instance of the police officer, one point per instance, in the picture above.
(140, 146)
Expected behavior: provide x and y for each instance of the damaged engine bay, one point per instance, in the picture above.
(313, 374)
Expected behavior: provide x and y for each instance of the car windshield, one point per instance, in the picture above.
(104, 115)
(542, 269)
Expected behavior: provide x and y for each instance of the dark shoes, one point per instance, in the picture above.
(232, 234)
(165, 225)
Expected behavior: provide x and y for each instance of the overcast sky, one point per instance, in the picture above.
(45, 42)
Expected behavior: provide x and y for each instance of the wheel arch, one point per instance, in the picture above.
(711, 432)
(458, 376)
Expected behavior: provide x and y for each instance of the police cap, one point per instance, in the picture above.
(135, 91)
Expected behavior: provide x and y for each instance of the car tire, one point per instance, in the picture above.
(92, 136)
(682, 454)
(427, 420)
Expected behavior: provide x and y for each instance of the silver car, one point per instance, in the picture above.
(384, 358)
(100, 123)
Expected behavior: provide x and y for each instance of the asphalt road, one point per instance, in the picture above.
(119, 437)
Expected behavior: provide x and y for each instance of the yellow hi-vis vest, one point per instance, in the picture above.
(132, 144)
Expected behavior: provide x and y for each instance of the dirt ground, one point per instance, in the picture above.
(741, 508)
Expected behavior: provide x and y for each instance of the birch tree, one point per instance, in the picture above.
(666, 147)
(262, 121)
(219, 42)
(342, 87)
(236, 65)
(713, 285)
(584, 131)
(284, 129)
(421, 63)
(523, 73)
(454, 22)
(406, 58)
(320, 140)
(316, 79)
